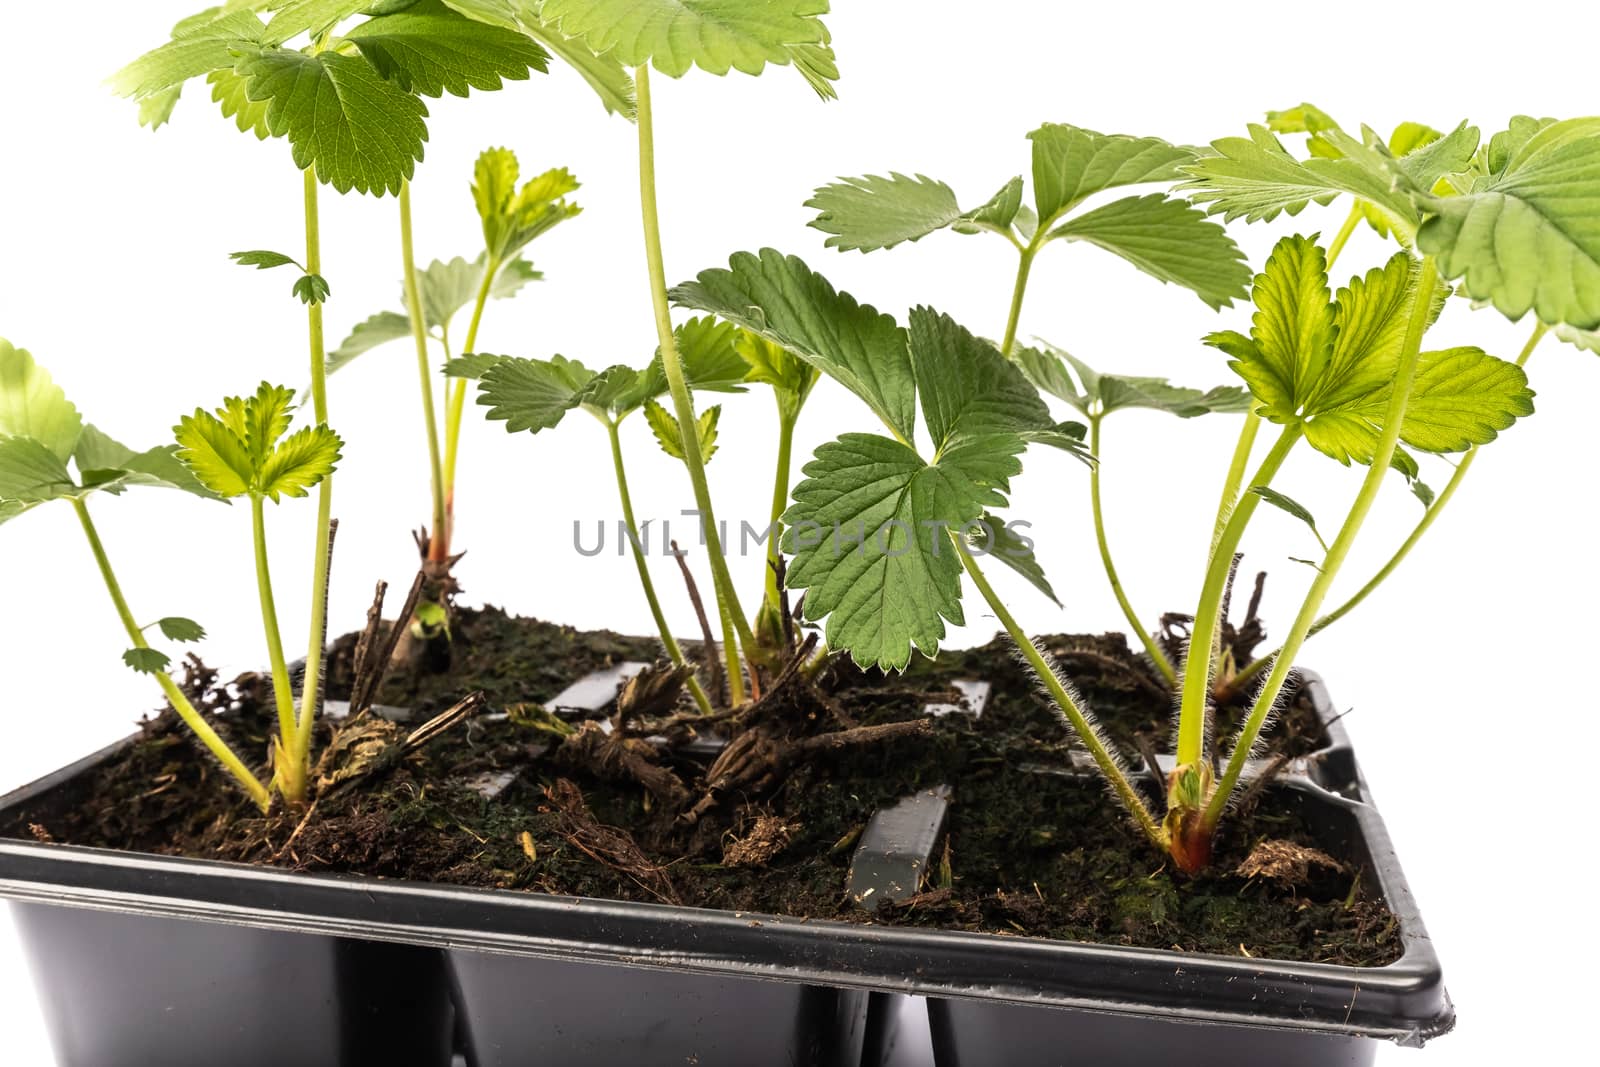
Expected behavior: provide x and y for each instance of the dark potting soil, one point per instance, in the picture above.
(1025, 853)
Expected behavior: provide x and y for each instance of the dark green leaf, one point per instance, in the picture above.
(1169, 240)
(994, 538)
(430, 49)
(312, 289)
(967, 388)
(1292, 507)
(146, 660)
(177, 628)
(532, 394)
(263, 260)
(605, 75)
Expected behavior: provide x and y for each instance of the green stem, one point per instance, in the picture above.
(312, 686)
(1394, 417)
(1351, 221)
(1429, 515)
(1065, 701)
(439, 537)
(1236, 469)
(636, 543)
(180, 702)
(1158, 657)
(780, 502)
(678, 386)
(729, 638)
(282, 687)
(1018, 291)
(458, 402)
(1208, 616)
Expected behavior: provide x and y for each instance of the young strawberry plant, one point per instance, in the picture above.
(41, 433)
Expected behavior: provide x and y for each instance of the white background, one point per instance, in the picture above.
(1466, 676)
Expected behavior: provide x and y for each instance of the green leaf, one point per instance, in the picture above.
(1292, 331)
(870, 531)
(30, 473)
(1258, 179)
(298, 463)
(33, 405)
(231, 93)
(513, 217)
(532, 394)
(1065, 436)
(781, 299)
(446, 287)
(605, 75)
(471, 366)
(1169, 240)
(664, 425)
(1292, 507)
(1528, 237)
(1588, 340)
(791, 377)
(431, 50)
(107, 465)
(709, 350)
(217, 456)
(968, 388)
(156, 111)
(198, 46)
(177, 628)
(1071, 164)
(10, 509)
(266, 419)
(312, 289)
(341, 116)
(1101, 394)
(146, 660)
(994, 538)
(314, 17)
(263, 260)
(873, 212)
(715, 35)
(368, 334)
(999, 212)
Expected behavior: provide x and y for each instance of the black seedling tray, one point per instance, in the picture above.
(156, 960)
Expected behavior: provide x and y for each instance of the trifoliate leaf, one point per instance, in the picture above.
(262, 259)
(1528, 237)
(870, 532)
(431, 50)
(217, 456)
(1292, 332)
(376, 330)
(664, 425)
(1071, 163)
(146, 660)
(513, 217)
(532, 394)
(715, 35)
(968, 389)
(231, 93)
(874, 212)
(314, 17)
(30, 473)
(33, 405)
(299, 462)
(1169, 240)
(781, 299)
(607, 77)
(198, 46)
(341, 116)
(312, 289)
(994, 538)
(1291, 506)
(177, 628)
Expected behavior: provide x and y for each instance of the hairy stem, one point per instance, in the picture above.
(1078, 717)
(1207, 619)
(1018, 292)
(637, 544)
(180, 702)
(1394, 417)
(282, 687)
(439, 536)
(312, 686)
(780, 502)
(1429, 515)
(1158, 657)
(457, 403)
(1235, 479)
(678, 386)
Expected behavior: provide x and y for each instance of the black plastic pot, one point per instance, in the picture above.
(1006, 1002)
(147, 960)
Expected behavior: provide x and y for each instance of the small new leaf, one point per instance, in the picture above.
(1292, 507)
(177, 628)
(664, 425)
(263, 260)
(146, 660)
(312, 289)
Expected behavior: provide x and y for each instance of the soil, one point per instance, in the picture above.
(1029, 849)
